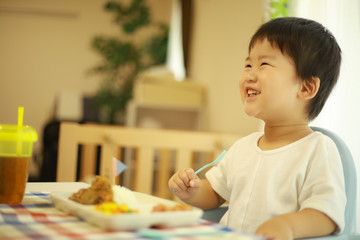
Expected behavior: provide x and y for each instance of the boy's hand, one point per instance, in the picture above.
(184, 183)
(276, 228)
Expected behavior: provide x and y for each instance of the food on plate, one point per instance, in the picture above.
(112, 199)
(178, 207)
(107, 198)
(122, 195)
(100, 191)
(114, 208)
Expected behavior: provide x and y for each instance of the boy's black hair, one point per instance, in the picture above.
(313, 49)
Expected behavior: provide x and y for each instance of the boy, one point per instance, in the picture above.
(286, 182)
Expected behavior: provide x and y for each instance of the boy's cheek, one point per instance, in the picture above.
(242, 89)
(242, 93)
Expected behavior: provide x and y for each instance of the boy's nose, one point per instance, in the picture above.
(251, 77)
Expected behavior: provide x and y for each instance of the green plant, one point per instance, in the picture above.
(123, 58)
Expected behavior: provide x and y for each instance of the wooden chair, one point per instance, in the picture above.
(149, 144)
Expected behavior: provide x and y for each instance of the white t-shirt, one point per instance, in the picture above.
(260, 185)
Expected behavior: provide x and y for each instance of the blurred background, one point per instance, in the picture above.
(53, 63)
(46, 58)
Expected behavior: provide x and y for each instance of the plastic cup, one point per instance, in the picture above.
(16, 144)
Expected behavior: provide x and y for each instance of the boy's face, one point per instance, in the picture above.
(269, 84)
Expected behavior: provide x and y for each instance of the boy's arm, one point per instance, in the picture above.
(194, 191)
(205, 197)
(303, 224)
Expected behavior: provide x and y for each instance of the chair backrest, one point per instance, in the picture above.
(158, 149)
(350, 179)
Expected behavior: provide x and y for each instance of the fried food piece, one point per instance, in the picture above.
(100, 191)
(178, 207)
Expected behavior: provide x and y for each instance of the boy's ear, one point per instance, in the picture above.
(308, 89)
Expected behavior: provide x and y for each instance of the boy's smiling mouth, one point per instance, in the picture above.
(252, 92)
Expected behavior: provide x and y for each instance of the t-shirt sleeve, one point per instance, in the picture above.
(217, 176)
(324, 187)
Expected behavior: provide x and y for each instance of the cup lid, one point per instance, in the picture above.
(13, 133)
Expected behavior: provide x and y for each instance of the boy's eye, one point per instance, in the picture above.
(264, 63)
(247, 66)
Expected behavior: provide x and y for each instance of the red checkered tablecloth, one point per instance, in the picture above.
(37, 218)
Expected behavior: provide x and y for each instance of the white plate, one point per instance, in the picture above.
(128, 221)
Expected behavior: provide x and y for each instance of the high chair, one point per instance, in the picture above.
(349, 170)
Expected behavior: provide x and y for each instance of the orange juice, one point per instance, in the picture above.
(14, 173)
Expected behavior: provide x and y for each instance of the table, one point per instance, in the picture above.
(37, 218)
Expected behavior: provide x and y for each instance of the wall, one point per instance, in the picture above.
(45, 48)
(221, 33)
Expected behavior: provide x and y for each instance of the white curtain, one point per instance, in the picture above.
(175, 56)
(341, 113)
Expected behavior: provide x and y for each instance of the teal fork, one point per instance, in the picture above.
(216, 161)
